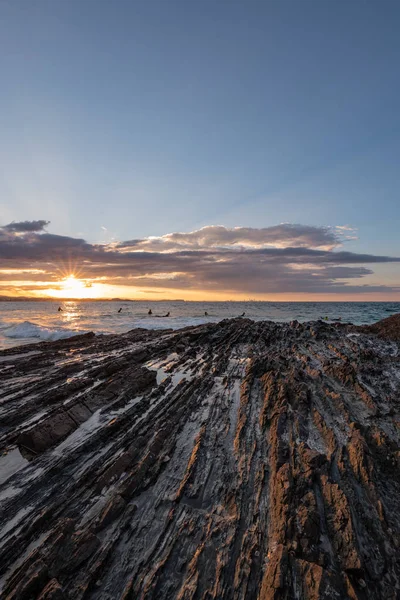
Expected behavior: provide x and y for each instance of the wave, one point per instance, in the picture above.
(26, 329)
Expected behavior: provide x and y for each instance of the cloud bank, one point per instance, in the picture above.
(286, 258)
(219, 237)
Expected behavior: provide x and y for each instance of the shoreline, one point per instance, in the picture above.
(378, 327)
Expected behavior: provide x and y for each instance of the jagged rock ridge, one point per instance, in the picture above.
(235, 460)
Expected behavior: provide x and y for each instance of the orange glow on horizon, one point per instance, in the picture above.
(73, 287)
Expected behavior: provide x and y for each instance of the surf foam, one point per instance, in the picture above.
(26, 329)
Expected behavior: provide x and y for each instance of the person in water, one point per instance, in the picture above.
(206, 314)
(242, 315)
(60, 309)
(120, 310)
(150, 312)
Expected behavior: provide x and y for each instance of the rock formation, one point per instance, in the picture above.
(236, 460)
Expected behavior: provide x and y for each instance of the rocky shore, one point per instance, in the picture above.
(236, 460)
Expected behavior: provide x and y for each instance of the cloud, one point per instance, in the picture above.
(26, 226)
(282, 259)
(219, 238)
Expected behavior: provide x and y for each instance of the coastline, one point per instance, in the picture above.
(26, 322)
(246, 458)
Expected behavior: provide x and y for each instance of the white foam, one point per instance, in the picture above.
(26, 330)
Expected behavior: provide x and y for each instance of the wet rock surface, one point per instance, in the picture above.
(231, 460)
(387, 328)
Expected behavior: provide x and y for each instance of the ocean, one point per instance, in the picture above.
(26, 322)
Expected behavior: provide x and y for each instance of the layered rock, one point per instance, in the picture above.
(235, 460)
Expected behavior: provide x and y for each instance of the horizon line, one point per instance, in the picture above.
(61, 300)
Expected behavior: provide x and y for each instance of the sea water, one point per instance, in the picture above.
(32, 321)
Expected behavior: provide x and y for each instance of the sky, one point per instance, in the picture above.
(200, 149)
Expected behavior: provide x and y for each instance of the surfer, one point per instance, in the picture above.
(120, 310)
(242, 315)
(60, 309)
(150, 312)
(206, 314)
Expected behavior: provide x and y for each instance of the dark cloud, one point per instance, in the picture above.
(26, 226)
(41, 246)
(285, 258)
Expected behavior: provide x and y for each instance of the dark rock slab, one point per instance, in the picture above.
(235, 460)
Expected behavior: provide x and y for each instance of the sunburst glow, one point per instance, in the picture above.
(73, 286)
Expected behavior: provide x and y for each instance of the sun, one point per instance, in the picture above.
(72, 287)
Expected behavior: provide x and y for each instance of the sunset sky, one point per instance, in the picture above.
(200, 150)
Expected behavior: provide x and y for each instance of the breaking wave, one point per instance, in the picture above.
(26, 329)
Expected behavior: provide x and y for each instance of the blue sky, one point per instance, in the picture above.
(147, 118)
